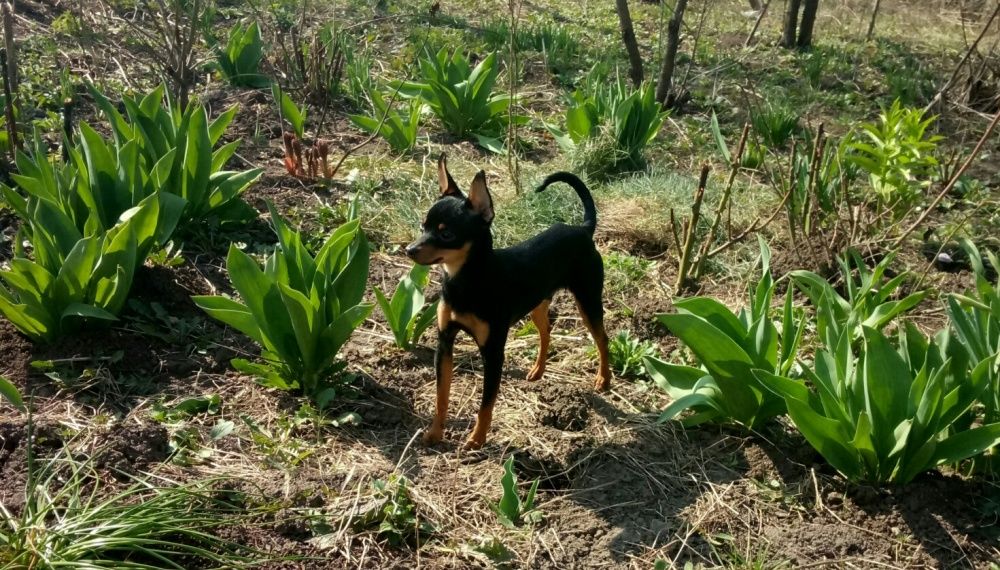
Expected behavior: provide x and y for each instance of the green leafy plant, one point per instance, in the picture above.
(626, 353)
(301, 309)
(71, 518)
(179, 145)
(975, 318)
(393, 515)
(885, 415)
(631, 118)
(399, 131)
(774, 123)
(406, 313)
(289, 111)
(102, 181)
(71, 276)
(866, 304)
(729, 348)
(462, 97)
(239, 59)
(511, 510)
(897, 152)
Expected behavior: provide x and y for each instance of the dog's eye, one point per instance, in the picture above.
(446, 235)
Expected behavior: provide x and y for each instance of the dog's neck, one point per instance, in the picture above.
(479, 256)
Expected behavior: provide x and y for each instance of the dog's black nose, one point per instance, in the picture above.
(411, 251)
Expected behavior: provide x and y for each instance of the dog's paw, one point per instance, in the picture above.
(472, 444)
(432, 436)
(536, 373)
(602, 383)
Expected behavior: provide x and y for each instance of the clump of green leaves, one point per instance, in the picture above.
(179, 147)
(511, 510)
(867, 302)
(406, 313)
(462, 97)
(392, 514)
(897, 152)
(885, 415)
(301, 309)
(774, 123)
(71, 519)
(71, 277)
(975, 318)
(626, 353)
(400, 131)
(729, 347)
(627, 119)
(239, 59)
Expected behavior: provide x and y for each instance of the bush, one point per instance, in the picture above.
(72, 277)
(885, 415)
(729, 348)
(301, 309)
(399, 131)
(627, 119)
(462, 97)
(239, 60)
(185, 140)
(898, 155)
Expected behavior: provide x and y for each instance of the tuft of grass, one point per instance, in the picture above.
(774, 123)
(72, 519)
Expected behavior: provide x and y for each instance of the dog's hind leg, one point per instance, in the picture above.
(540, 316)
(588, 301)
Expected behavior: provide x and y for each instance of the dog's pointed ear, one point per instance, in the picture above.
(479, 197)
(445, 181)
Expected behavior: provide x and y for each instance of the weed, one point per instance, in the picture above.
(399, 131)
(626, 353)
(511, 510)
(393, 515)
(774, 123)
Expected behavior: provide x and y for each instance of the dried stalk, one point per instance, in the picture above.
(968, 53)
(9, 105)
(690, 227)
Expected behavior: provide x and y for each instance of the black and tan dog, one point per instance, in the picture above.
(487, 290)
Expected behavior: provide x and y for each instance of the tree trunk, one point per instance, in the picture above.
(628, 38)
(791, 23)
(806, 26)
(871, 23)
(673, 41)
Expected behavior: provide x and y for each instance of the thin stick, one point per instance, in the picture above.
(760, 18)
(689, 230)
(954, 179)
(8, 107)
(968, 53)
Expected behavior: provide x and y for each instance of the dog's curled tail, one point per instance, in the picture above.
(589, 210)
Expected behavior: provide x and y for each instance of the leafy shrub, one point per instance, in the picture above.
(462, 97)
(194, 169)
(406, 313)
(313, 62)
(866, 303)
(729, 348)
(239, 60)
(885, 415)
(72, 276)
(100, 184)
(289, 111)
(898, 155)
(632, 119)
(774, 123)
(301, 309)
(399, 131)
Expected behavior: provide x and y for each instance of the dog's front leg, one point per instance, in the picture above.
(493, 356)
(444, 366)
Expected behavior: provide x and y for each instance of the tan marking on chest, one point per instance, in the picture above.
(479, 328)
